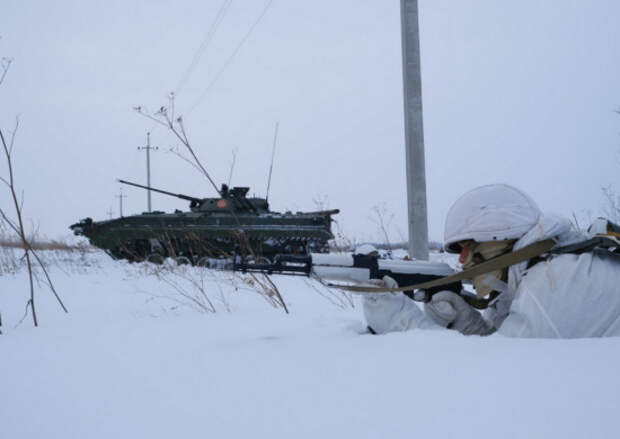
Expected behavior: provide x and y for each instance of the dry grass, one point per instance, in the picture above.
(41, 245)
(73, 258)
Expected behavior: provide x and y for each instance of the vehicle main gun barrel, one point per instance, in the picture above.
(181, 196)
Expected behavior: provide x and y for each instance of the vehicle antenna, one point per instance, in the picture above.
(232, 165)
(273, 154)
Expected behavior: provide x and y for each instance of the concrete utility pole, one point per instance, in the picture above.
(120, 197)
(148, 148)
(414, 130)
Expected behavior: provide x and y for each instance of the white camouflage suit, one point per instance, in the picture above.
(564, 296)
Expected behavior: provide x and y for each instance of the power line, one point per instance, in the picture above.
(205, 43)
(203, 46)
(231, 58)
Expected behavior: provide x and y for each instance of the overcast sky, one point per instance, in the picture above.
(521, 92)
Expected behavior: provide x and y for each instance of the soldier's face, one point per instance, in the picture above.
(466, 249)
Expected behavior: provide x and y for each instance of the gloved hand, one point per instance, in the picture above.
(449, 310)
(387, 312)
(370, 299)
(387, 282)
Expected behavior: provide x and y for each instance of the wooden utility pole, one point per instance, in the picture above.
(148, 148)
(120, 196)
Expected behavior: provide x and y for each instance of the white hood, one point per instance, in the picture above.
(494, 212)
(548, 226)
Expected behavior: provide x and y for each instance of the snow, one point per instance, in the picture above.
(129, 362)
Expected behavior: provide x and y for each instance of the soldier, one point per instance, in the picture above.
(558, 296)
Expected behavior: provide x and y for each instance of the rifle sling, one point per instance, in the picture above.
(512, 258)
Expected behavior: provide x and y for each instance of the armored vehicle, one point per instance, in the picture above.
(232, 224)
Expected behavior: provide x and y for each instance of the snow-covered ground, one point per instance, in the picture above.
(133, 360)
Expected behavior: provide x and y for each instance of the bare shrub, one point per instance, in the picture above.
(611, 197)
(205, 290)
(9, 262)
(382, 218)
(186, 289)
(611, 208)
(165, 116)
(264, 286)
(337, 297)
(16, 225)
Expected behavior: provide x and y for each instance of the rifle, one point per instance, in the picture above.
(359, 269)
(419, 280)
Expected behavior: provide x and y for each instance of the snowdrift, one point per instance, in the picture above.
(133, 360)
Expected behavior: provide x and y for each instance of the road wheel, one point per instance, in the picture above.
(203, 262)
(182, 260)
(155, 258)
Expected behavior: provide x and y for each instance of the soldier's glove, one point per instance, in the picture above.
(386, 282)
(390, 312)
(449, 310)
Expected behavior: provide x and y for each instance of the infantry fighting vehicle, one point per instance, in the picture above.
(232, 224)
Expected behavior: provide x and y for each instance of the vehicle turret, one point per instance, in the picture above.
(232, 200)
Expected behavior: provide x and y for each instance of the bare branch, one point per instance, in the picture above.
(381, 222)
(195, 300)
(612, 201)
(21, 233)
(4, 145)
(25, 314)
(9, 221)
(142, 112)
(5, 64)
(182, 126)
(49, 280)
(19, 227)
(13, 134)
(330, 294)
(182, 157)
(576, 222)
(275, 289)
(171, 104)
(165, 117)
